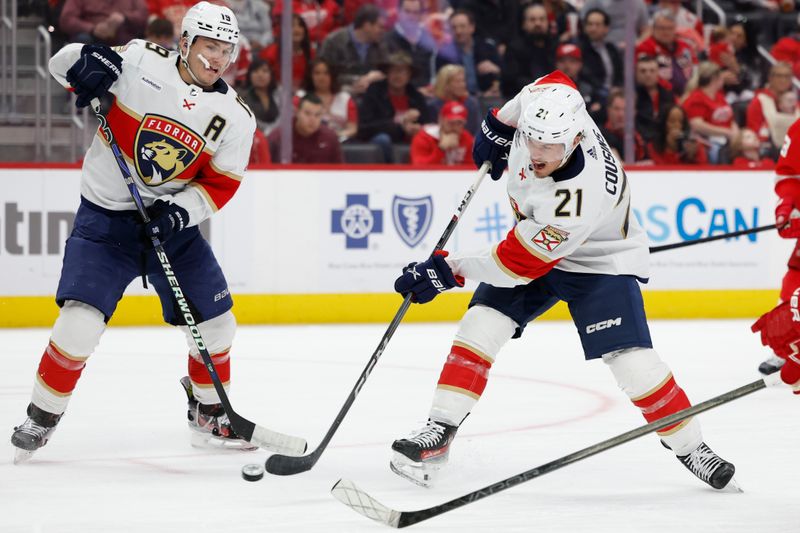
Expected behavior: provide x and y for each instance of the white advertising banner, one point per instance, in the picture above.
(351, 230)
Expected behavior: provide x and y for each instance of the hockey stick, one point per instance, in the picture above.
(283, 465)
(259, 435)
(349, 494)
(664, 247)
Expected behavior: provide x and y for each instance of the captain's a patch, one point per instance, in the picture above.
(550, 238)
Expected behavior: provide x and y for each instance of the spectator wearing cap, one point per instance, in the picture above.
(787, 49)
(445, 143)
(409, 35)
(602, 62)
(709, 114)
(569, 60)
(103, 21)
(357, 51)
(392, 110)
(312, 141)
(762, 112)
(675, 58)
(451, 84)
(477, 55)
(653, 98)
(531, 55)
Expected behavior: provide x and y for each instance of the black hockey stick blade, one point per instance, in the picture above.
(283, 465)
(352, 496)
(665, 247)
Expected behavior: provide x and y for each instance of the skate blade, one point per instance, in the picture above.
(22, 456)
(207, 441)
(422, 474)
(732, 487)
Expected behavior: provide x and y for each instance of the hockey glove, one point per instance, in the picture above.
(166, 219)
(427, 279)
(94, 72)
(787, 219)
(492, 143)
(778, 330)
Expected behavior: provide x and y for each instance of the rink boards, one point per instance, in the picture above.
(325, 245)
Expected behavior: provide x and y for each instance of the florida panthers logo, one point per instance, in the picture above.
(164, 149)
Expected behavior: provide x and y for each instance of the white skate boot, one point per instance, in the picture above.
(210, 426)
(420, 456)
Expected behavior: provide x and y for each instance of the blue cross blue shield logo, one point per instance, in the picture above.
(357, 221)
(412, 218)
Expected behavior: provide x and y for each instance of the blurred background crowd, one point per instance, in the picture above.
(398, 81)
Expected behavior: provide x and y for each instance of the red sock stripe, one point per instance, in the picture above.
(668, 399)
(465, 369)
(58, 371)
(198, 373)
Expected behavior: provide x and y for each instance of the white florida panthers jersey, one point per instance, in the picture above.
(184, 144)
(578, 219)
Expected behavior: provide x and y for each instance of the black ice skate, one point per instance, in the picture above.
(418, 457)
(33, 433)
(210, 425)
(771, 365)
(710, 468)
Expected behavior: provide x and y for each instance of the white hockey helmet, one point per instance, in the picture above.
(554, 116)
(213, 21)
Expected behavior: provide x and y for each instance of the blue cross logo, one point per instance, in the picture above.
(357, 221)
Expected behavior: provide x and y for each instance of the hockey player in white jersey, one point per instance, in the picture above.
(186, 136)
(576, 241)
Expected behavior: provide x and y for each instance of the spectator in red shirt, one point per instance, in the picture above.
(112, 22)
(708, 112)
(301, 53)
(312, 141)
(675, 58)
(765, 103)
(747, 153)
(320, 16)
(689, 26)
(675, 144)
(445, 143)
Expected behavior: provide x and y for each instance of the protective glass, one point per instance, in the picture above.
(545, 152)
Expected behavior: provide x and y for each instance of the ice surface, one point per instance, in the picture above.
(120, 460)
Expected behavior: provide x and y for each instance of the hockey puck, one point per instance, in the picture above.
(252, 472)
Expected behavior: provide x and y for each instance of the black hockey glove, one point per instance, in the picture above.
(94, 72)
(492, 143)
(427, 279)
(166, 219)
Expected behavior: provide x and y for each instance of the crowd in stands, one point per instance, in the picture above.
(419, 74)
